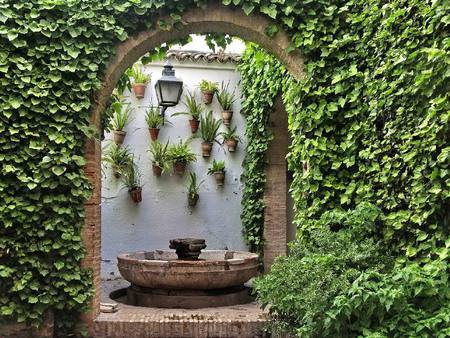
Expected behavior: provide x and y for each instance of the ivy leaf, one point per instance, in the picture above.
(59, 170)
(248, 8)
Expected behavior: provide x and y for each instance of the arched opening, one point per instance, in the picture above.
(214, 18)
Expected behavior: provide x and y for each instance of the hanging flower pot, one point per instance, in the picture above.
(179, 167)
(157, 170)
(154, 132)
(231, 145)
(193, 199)
(208, 89)
(206, 149)
(139, 90)
(220, 178)
(119, 136)
(207, 97)
(136, 194)
(194, 125)
(227, 116)
(218, 170)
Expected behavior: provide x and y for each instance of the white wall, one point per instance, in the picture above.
(163, 214)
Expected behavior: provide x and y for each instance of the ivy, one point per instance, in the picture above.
(370, 122)
(262, 80)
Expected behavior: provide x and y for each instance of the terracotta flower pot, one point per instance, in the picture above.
(206, 149)
(207, 97)
(194, 125)
(139, 90)
(193, 199)
(119, 136)
(154, 132)
(232, 145)
(226, 117)
(220, 178)
(157, 170)
(179, 167)
(136, 195)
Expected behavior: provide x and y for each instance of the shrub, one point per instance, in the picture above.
(301, 288)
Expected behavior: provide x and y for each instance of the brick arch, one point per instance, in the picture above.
(215, 18)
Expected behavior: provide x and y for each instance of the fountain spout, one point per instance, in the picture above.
(187, 249)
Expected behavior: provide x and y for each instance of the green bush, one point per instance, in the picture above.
(301, 288)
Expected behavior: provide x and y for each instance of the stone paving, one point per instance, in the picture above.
(240, 321)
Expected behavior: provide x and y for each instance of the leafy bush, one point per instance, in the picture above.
(340, 281)
(302, 287)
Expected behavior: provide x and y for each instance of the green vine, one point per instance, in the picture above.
(370, 122)
(263, 78)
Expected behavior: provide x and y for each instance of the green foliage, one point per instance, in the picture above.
(263, 78)
(121, 116)
(117, 157)
(153, 118)
(138, 74)
(216, 167)
(225, 97)
(370, 122)
(209, 127)
(160, 155)
(230, 134)
(131, 176)
(301, 288)
(193, 185)
(181, 152)
(208, 86)
(194, 109)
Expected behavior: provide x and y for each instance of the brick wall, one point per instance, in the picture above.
(276, 190)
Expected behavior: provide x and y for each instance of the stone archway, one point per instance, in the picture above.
(214, 18)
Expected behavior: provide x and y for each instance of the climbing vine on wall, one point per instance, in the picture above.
(370, 121)
(263, 78)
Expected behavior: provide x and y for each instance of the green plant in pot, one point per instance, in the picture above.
(209, 129)
(154, 122)
(160, 157)
(140, 80)
(231, 139)
(120, 118)
(226, 100)
(132, 181)
(180, 155)
(208, 89)
(194, 111)
(117, 157)
(193, 189)
(218, 170)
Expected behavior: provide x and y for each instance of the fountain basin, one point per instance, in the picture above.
(215, 269)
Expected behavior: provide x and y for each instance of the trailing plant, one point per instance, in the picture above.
(138, 74)
(117, 157)
(216, 167)
(225, 97)
(209, 128)
(262, 79)
(160, 154)
(181, 152)
(194, 109)
(122, 115)
(208, 86)
(153, 118)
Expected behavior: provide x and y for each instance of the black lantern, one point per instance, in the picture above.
(168, 88)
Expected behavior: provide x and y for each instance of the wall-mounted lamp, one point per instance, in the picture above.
(168, 88)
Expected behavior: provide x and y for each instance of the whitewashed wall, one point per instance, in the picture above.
(163, 214)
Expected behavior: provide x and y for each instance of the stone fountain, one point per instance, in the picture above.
(189, 277)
